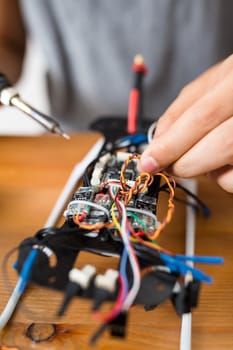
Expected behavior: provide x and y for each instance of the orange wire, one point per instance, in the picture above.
(146, 179)
(170, 210)
(96, 226)
(141, 183)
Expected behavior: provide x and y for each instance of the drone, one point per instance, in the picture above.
(113, 213)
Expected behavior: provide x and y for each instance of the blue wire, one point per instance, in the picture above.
(123, 269)
(123, 263)
(27, 269)
(134, 139)
(201, 259)
(19, 288)
(177, 266)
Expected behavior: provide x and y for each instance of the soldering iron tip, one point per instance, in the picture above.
(60, 132)
(66, 136)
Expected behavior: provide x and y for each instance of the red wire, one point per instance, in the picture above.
(137, 68)
(132, 111)
(117, 307)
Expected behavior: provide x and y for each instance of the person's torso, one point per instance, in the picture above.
(89, 46)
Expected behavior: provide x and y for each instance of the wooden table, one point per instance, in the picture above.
(33, 171)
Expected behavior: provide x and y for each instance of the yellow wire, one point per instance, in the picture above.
(114, 219)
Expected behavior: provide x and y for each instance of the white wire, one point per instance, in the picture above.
(136, 273)
(151, 131)
(91, 204)
(11, 304)
(18, 290)
(186, 323)
(111, 190)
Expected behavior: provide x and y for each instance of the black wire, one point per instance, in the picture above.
(98, 333)
(184, 201)
(200, 204)
(86, 180)
(204, 207)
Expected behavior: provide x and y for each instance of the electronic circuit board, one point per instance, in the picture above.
(114, 213)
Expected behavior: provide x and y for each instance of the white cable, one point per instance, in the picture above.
(136, 273)
(151, 131)
(186, 322)
(19, 289)
(72, 181)
(11, 304)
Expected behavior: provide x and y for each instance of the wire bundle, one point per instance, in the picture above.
(120, 218)
(136, 226)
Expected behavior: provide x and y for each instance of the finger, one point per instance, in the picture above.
(192, 92)
(188, 95)
(212, 152)
(206, 114)
(224, 177)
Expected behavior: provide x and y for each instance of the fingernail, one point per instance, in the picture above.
(149, 164)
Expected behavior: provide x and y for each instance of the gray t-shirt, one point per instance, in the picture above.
(89, 46)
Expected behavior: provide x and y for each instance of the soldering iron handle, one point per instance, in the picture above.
(10, 97)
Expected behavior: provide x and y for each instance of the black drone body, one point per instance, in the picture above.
(113, 213)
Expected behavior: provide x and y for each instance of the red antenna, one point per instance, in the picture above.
(135, 109)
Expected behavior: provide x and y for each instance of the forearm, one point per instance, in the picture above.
(12, 39)
(11, 60)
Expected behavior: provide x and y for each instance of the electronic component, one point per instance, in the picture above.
(79, 281)
(115, 215)
(146, 202)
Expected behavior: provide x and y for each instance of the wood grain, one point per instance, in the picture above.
(33, 171)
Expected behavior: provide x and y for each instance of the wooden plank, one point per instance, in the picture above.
(33, 171)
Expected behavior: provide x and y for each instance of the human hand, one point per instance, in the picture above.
(195, 134)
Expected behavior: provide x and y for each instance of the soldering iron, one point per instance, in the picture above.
(10, 97)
